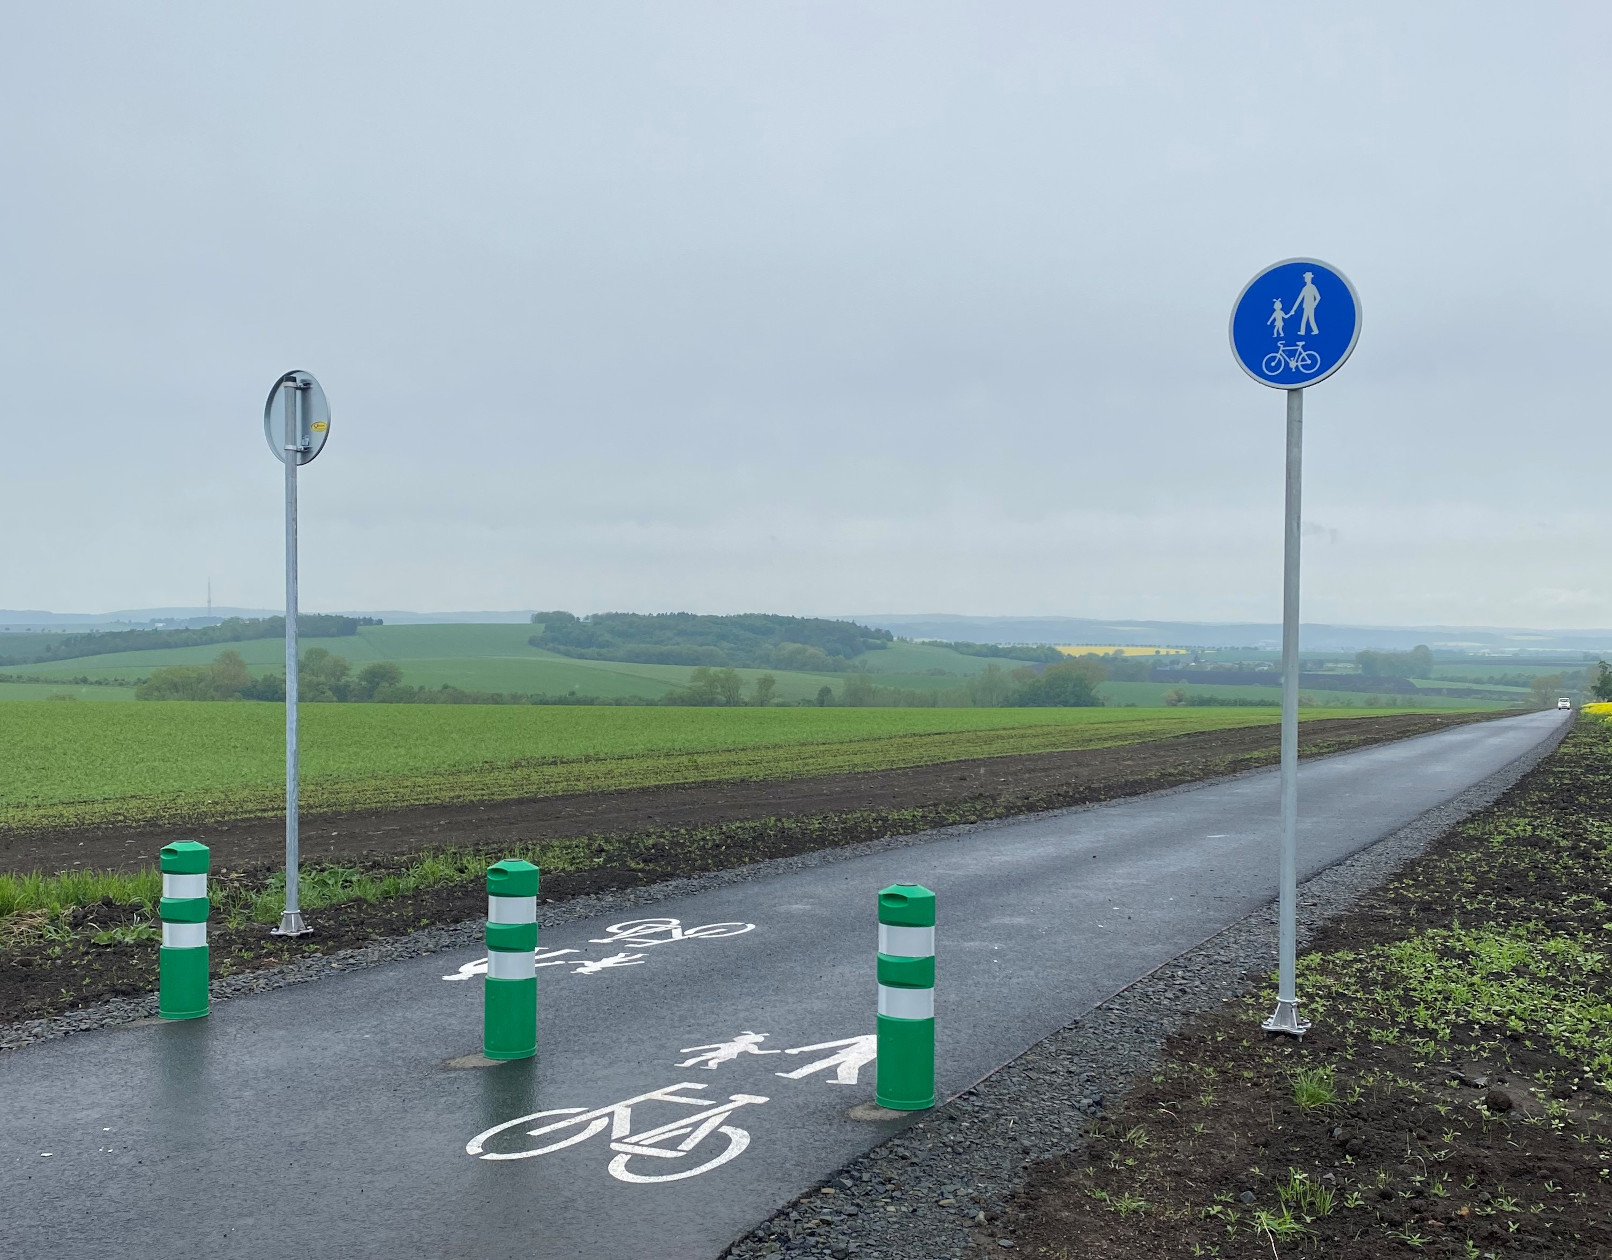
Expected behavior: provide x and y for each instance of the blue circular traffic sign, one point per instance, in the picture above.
(1295, 323)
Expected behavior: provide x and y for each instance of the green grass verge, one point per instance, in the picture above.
(71, 764)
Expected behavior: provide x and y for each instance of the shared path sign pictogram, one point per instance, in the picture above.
(1295, 323)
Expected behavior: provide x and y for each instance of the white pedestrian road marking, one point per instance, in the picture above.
(649, 1143)
(724, 1051)
(854, 1052)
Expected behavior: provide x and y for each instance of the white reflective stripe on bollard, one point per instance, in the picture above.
(502, 965)
(906, 1003)
(906, 942)
(184, 885)
(184, 935)
(511, 909)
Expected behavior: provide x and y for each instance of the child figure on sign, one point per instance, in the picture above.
(1278, 317)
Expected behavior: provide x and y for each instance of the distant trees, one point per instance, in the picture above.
(224, 679)
(858, 691)
(1545, 689)
(1601, 685)
(766, 685)
(1070, 684)
(989, 688)
(1417, 663)
(375, 680)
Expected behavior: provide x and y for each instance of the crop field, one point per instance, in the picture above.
(499, 658)
(80, 764)
(48, 691)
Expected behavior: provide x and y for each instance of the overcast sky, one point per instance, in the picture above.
(805, 307)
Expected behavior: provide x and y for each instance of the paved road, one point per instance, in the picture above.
(322, 1120)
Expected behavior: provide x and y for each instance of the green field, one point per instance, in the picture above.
(45, 691)
(72, 764)
(498, 658)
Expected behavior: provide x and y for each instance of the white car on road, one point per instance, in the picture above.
(1564, 703)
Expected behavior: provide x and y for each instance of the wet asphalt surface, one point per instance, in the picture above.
(328, 1120)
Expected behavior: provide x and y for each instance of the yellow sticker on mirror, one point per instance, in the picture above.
(319, 426)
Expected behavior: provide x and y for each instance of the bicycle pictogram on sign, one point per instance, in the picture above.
(1295, 357)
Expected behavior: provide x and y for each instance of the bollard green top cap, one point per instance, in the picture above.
(907, 905)
(512, 878)
(185, 857)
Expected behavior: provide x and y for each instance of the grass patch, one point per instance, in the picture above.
(1313, 1088)
(53, 894)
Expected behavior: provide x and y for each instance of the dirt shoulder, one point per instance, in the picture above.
(1019, 783)
(1453, 1098)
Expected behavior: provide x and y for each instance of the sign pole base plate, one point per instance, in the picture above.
(1285, 1019)
(291, 924)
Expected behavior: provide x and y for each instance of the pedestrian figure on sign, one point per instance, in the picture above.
(1309, 296)
(1277, 318)
(725, 1051)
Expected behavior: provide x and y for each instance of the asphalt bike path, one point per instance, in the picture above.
(696, 1065)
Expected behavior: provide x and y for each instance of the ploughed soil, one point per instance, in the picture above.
(1452, 1098)
(622, 839)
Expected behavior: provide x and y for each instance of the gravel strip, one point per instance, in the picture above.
(935, 1190)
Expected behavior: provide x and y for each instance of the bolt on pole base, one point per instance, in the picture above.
(291, 924)
(1285, 1019)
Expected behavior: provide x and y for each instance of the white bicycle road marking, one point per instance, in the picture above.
(641, 933)
(592, 966)
(638, 933)
(627, 1144)
(851, 1055)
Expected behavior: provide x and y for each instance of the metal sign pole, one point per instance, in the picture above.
(1286, 1019)
(1293, 325)
(296, 424)
(291, 922)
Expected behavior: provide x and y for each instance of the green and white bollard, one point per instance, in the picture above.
(509, 1011)
(182, 959)
(906, 1023)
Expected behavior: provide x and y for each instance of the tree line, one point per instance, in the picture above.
(230, 630)
(743, 641)
(325, 677)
